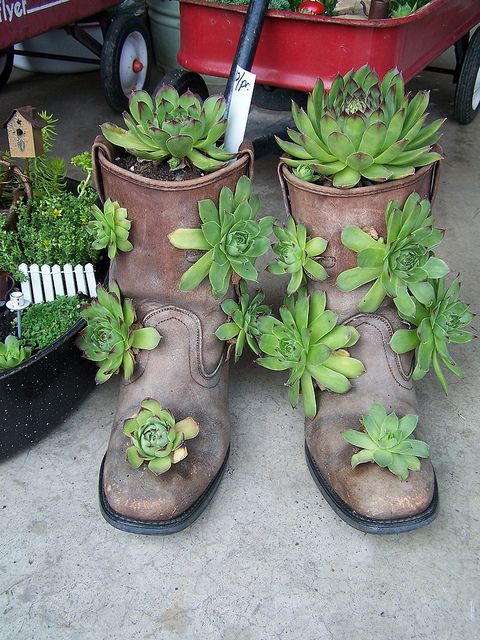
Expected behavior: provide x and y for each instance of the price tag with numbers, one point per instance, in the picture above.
(239, 109)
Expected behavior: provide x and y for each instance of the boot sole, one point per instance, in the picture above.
(163, 527)
(370, 525)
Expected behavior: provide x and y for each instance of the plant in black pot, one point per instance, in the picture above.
(48, 251)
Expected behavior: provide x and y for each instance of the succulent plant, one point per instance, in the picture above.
(231, 236)
(112, 335)
(157, 438)
(435, 326)
(362, 128)
(401, 266)
(307, 342)
(111, 228)
(12, 353)
(388, 441)
(296, 254)
(243, 324)
(177, 129)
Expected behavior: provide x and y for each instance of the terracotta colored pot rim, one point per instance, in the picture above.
(391, 185)
(245, 156)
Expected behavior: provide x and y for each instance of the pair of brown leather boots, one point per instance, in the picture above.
(188, 372)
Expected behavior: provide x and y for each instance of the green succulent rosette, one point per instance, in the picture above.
(387, 441)
(173, 128)
(297, 255)
(307, 342)
(242, 325)
(111, 228)
(156, 437)
(402, 266)
(113, 335)
(434, 327)
(361, 128)
(231, 237)
(12, 353)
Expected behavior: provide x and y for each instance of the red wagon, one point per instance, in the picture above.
(295, 49)
(125, 55)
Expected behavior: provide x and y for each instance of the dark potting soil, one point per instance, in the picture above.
(157, 170)
(6, 318)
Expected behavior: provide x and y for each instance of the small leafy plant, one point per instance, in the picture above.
(361, 128)
(156, 437)
(112, 335)
(231, 236)
(403, 8)
(403, 265)
(243, 320)
(44, 323)
(46, 172)
(173, 128)
(12, 353)
(84, 162)
(297, 255)
(436, 325)
(388, 442)
(308, 343)
(111, 228)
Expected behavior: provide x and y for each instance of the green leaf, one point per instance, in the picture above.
(227, 331)
(436, 268)
(346, 178)
(146, 338)
(197, 272)
(356, 277)
(361, 457)
(404, 340)
(133, 458)
(382, 458)
(308, 394)
(359, 161)
(315, 246)
(423, 292)
(219, 276)
(179, 146)
(373, 298)
(358, 439)
(188, 239)
(358, 240)
(159, 465)
(371, 257)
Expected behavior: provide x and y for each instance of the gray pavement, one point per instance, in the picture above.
(268, 559)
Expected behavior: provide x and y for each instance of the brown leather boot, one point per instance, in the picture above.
(368, 497)
(187, 372)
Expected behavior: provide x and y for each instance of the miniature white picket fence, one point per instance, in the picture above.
(45, 283)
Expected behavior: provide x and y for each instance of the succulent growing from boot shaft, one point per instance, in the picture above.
(173, 128)
(243, 320)
(111, 228)
(435, 326)
(307, 342)
(12, 353)
(388, 441)
(401, 266)
(156, 437)
(361, 128)
(231, 236)
(112, 334)
(296, 254)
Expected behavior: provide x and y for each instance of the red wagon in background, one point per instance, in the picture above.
(295, 49)
(125, 54)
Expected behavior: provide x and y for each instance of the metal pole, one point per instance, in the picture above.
(247, 45)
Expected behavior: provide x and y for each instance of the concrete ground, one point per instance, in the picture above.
(269, 558)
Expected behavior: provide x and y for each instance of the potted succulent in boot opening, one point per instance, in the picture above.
(169, 157)
(355, 157)
(42, 375)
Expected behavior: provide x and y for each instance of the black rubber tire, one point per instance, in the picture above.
(277, 98)
(6, 64)
(117, 33)
(183, 81)
(463, 108)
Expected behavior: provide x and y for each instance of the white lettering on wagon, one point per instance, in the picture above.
(20, 8)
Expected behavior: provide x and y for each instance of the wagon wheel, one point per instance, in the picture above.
(184, 81)
(467, 95)
(6, 64)
(126, 60)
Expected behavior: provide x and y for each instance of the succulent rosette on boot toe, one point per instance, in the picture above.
(387, 441)
(363, 128)
(177, 129)
(231, 236)
(400, 266)
(308, 342)
(156, 437)
(112, 335)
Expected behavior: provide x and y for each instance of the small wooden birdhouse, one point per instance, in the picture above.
(24, 128)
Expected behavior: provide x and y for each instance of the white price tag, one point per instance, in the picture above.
(239, 109)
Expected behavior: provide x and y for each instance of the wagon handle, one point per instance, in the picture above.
(101, 145)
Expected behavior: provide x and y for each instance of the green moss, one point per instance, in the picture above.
(44, 323)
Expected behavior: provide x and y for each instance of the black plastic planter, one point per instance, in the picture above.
(37, 395)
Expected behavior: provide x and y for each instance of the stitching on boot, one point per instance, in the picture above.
(389, 354)
(197, 369)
